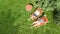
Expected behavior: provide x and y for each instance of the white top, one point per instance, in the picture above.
(37, 12)
(41, 20)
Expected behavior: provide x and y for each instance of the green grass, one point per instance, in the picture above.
(13, 19)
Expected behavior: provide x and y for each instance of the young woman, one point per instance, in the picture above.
(38, 12)
(40, 21)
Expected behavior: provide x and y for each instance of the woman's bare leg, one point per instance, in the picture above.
(34, 23)
(33, 26)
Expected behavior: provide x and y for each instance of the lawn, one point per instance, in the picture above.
(14, 19)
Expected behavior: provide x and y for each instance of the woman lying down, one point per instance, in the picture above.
(40, 22)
